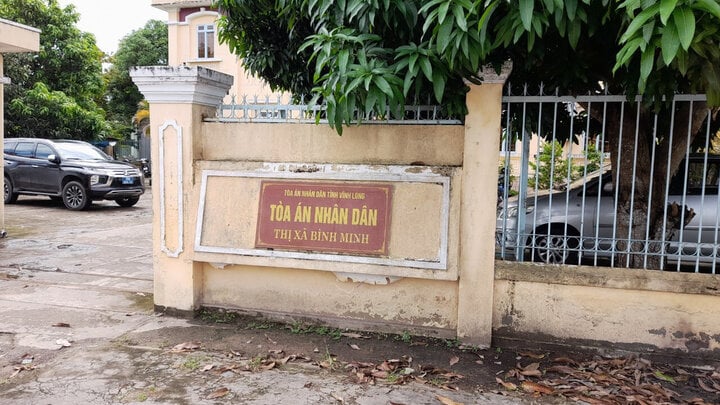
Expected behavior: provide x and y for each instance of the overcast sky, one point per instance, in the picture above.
(111, 20)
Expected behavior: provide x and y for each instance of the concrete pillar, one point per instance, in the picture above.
(2, 137)
(14, 38)
(179, 98)
(479, 200)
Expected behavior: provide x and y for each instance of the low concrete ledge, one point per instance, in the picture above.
(605, 277)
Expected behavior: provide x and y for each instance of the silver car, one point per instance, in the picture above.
(578, 224)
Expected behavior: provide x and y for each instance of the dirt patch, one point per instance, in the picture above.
(251, 344)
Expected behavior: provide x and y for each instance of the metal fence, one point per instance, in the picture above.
(281, 109)
(563, 199)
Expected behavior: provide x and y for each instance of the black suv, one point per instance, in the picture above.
(72, 171)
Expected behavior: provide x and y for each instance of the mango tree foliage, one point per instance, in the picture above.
(374, 56)
(66, 71)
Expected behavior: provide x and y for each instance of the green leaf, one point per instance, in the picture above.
(682, 63)
(439, 85)
(549, 6)
(353, 85)
(383, 85)
(666, 8)
(647, 59)
(670, 42)
(685, 23)
(526, 12)
(639, 21)
(412, 67)
(343, 60)
(571, 8)
(574, 33)
(407, 83)
(426, 68)
(483, 25)
(648, 31)
(443, 36)
(710, 6)
(659, 374)
(430, 4)
(460, 18)
(442, 12)
(370, 101)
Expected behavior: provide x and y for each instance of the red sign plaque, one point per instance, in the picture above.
(326, 217)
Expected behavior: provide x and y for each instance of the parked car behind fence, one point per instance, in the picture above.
(578, 224)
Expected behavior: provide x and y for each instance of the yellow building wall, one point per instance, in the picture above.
(182, 50)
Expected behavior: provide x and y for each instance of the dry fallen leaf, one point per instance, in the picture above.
(219, 393)
(354, 347)
(208, 367)
(270, 340)
(529, 386)
(705, 387)
(61, 325)
(354, 335)
(268, 366)
(508, 385)
(531, 370)
(454, 360)
(185, 347)
(447, 401)
(536, 356)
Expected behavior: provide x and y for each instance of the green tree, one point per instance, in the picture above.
(67, 71)
(54, 115)
(371, 55)
(552, 169)
(147, 46)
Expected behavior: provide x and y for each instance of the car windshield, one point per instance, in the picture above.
(80, 151)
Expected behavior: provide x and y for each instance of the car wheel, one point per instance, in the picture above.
(9, 196)
(556, 246)
(127, 201)
(75, 196)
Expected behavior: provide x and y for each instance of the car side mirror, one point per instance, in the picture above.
(53, 159)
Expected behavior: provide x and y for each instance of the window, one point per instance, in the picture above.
(206, 41)
(9, 147)
(43, 151)
(25, 149)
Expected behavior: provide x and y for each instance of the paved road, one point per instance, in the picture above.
(81, 268)
(84, 279)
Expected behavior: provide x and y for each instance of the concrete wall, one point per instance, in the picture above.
(207, 187)
(623, 308)
(438, 275)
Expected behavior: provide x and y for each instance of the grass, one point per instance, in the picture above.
(217, 316)
(405, 337)
(329, 361)
(193, 363)
(301, 328)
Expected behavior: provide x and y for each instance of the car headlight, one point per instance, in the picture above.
(98, 179)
